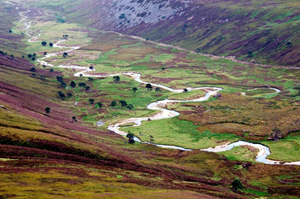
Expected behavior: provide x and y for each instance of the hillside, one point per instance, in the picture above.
(67, 110)
(256, 31)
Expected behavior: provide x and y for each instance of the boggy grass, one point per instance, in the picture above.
(179, 133)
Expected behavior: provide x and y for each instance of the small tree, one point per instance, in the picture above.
(87, 88)
(60, 78)
(45, 53)
(236, 184)
(73, 84)
(91, 101)
(65, 54)
(130, 107)
(33, 69)
(10, 31)
(149, 87)
(74, 119)
(116, 79)
(33, 59)
(162, 68)
(134, 89)
(82, 84)
(123, 103)
(113, 103)
(44, 66)
(61, 95)
(185, 90)
(12, 56)
(47, 110)
(44, 43)
(29, 56)
(69, 95)
(90, 79)
(130, 137)
(51, 44)
(99, 104)
(250, 54)
(80, 75)
(91, 68)
(51, 70)
(157, 89)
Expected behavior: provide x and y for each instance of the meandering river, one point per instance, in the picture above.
(162, 113)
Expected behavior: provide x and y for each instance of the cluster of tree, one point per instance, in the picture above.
(60, 79)
(44, 43)
(2, 53)
(123, 104)
(32, 57)
(150, 88)
(62, 96)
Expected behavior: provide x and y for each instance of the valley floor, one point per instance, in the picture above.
(66, 152)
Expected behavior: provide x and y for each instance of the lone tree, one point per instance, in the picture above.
(44, 66)
(130, 137)
(91, 101)
(44, 43)
(236, 184)
(74, 119)
(47, 110)
(130, 107)
(113, 103)
(33, 69)
(29, 56)
(65, 54)
(99, 104)
(157, 89)
(250, 54)
(45, 53)
(33, 59)
(149, 87)
(134, 89)
(91, 68)
(116, 79)
(185, 90)
(82, 84)
(87, 88)
(51, 44)
(10, 31)
(61, 95)
(51, 70)
(276, 134)
(73, 84)
(123, 103)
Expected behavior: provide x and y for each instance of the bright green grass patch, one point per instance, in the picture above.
(287, 149)
(179, 133)
(240, 154)
(259, 92)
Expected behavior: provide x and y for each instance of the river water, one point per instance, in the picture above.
(264, 151)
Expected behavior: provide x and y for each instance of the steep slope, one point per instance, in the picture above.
(257, 31)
